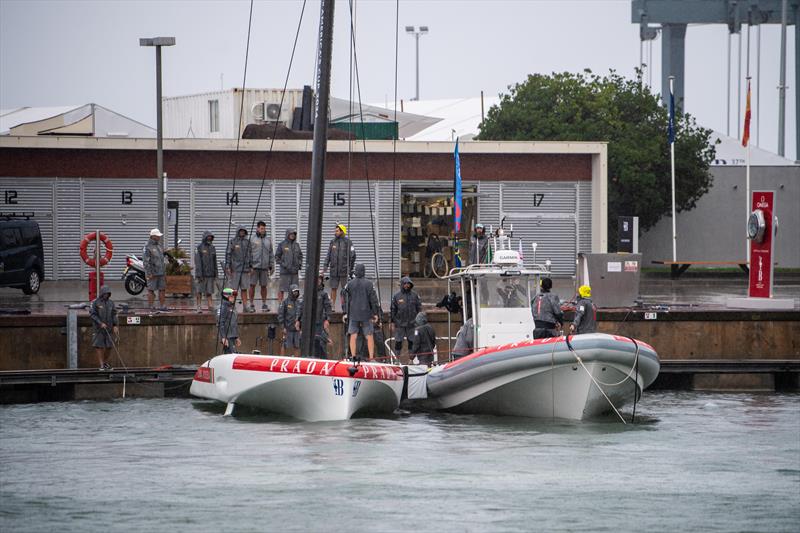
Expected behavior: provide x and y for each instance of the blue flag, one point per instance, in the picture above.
(671, 128)
(457, 191)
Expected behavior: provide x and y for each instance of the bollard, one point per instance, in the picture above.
(72, 338)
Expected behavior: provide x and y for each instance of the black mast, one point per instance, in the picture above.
(319, 147)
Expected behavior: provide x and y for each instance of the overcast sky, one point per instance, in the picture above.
(74, 52)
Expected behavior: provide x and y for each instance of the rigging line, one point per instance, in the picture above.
(236, 163)
(350, 138)
(238, 137)
(268, 159)
(394, 141)
(366, 164)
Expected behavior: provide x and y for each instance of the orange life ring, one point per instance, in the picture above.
(89, 237)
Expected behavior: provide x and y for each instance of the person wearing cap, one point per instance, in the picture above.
(289, 257)
(238, 264)
(289, 315)
(361, 310)
(547, 316)
(585, 320)
(263, 261)
(104, 321)
(155, 269)
(478, 246)
(402, 313)
(322, 323)
(228, 322)
(340, 260)
(205, 270)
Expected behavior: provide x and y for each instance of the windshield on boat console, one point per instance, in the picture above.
(503, 292)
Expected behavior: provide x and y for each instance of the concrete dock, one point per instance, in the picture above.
(702, 344)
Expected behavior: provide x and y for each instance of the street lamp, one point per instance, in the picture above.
(158, 42)
(416, 31)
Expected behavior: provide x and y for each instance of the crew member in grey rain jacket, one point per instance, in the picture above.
(404, 309)
(228, 322)
(289, 315)
(424, 340)
(289, 257)
(547, 315)
(340, 260)
(205, 269)
(479, 246)
(263, 261)
(155, 269)
(238, 263)
(361, 305)
(104, 321)
(322, 321)
(585, 320)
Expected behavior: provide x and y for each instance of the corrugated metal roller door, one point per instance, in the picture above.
(216, 203)
(389, 228)
(126, 210)
(69, 212)
(349, 204)
(28, 196)
(545, 213)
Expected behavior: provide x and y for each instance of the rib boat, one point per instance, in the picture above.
(588, 376)
(304, 388)
(510, 373)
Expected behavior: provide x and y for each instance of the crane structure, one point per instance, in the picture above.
(675, 15)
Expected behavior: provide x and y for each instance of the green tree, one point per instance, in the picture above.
(624, 113)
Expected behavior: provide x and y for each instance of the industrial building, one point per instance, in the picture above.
(553, 193)
(88, 120)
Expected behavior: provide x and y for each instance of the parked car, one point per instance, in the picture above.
(21, 254)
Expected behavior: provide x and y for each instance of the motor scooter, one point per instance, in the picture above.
(133, 274)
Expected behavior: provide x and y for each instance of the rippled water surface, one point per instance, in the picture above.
(691, 462)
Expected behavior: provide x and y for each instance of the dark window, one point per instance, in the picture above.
(10, 237)
(30, 234)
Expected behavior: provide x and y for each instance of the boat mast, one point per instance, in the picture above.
(319, 147)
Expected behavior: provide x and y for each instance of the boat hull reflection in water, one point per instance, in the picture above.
(592, 375)
(303, 388)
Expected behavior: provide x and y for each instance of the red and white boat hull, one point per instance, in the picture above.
(308, 389)
(545, 379)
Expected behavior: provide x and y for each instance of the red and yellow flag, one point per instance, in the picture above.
(746, 133)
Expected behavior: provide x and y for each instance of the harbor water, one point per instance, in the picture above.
(691, 462)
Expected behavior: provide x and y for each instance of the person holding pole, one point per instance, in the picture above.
(104, 322)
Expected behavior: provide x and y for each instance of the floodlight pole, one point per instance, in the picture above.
(416, 31)
(158, 42)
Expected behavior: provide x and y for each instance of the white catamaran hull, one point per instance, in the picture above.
(308, 389)
(545, 379)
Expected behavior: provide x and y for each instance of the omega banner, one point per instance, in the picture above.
(762, 235)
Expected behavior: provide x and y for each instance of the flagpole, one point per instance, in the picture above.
(746, 141)
(672, 165)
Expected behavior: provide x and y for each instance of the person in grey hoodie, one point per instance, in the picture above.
(263, 265)
(361, 310)
(478, 246)
(155, 269)
(104, 322)
(289, 257)
(340, 260)
(228, 322)
(205, 270)
(424, 340)
(547, 315)
(585, 320)
(465, 340)
(239, 264)
(289, 315)
(322, 322)
(405, 306)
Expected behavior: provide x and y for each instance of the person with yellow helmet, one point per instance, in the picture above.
(340, 260)
(585, 320)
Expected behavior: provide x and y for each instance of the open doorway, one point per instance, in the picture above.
(427, 228)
